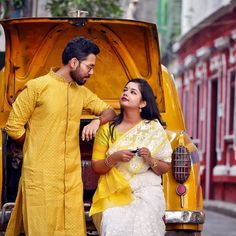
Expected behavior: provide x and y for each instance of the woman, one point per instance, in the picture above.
(130, 154)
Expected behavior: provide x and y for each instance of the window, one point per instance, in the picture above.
(197, 115)
(231, 102)
(186, 108)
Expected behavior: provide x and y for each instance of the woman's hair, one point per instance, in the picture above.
(149, 112)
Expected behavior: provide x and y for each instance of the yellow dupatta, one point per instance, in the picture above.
(113, 187)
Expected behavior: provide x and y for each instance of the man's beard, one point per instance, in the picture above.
(76, 79)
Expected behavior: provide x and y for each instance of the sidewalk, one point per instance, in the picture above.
(225, 208)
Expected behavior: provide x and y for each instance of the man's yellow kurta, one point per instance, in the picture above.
(50, 195)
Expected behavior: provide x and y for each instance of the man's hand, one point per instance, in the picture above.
(21, 140)
(90, 130)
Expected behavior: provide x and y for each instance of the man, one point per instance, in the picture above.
(46, 117)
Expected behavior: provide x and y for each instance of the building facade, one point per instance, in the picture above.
(169, 26)
(205, 75)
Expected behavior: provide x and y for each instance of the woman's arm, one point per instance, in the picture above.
(104, 165)
(159, 167)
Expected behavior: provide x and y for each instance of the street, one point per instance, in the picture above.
(218, 225)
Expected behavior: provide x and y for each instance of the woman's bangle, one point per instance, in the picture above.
(107, 163)
(154, 164)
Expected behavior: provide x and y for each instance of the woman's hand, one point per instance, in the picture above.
(159, 167)
(104, 165)
(121, 156)
(146, 155)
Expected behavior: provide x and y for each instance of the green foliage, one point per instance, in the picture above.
(58, 7)
(95, 8)
(18, 4)
(4, 8)
(6, 5)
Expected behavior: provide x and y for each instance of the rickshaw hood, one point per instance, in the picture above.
(129, 49)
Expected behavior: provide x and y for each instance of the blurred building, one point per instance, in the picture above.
(168, 23)
(143, 10)
(204, 65)
(2, 48)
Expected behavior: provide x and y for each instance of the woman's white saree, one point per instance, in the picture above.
(130, 195)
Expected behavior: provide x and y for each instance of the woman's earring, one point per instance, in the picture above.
(140, 109)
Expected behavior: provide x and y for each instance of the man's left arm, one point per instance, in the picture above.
(90, 130)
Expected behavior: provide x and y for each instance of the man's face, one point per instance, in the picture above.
(83, 69)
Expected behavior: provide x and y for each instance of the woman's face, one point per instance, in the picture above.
(131, 97)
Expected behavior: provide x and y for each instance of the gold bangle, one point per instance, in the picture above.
(155, 163)
(107, 163)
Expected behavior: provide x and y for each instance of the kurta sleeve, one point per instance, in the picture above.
(21, 111)
(101, 143)
(93, 103)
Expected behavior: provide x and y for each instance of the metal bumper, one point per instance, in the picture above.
(5, 214)
(184, 217)
(171, 217)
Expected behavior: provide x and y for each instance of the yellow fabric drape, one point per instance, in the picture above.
(50, 196)
(113, 190)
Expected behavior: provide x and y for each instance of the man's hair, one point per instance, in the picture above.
(79, 48)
